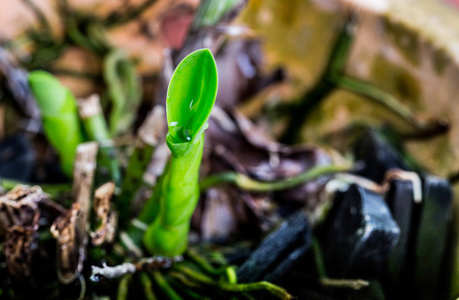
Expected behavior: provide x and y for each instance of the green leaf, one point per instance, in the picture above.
(210, 12)
(60, 117)
(50, 94)
(191, 96)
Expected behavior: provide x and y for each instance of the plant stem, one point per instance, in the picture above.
(318, 259)
(130, 244)
(167, 236)
(149, 212)
(39, 14)
(129, 14)
(246, 183)
(133, 180)
(124, 91)
(240, 288)
(123, 287)
(257, 286)
(147, 140)
(59, 112)
(185, 286)
(151, 208)
(185, 280)
(210, 12)
(355, 284)
(147, 286)
(54, 190)
(165, 287)
(333, 77)
(96, 128)
(300, 112)
(203, 264)
(324, 86)
(231, 275)
(379, 96)
(76, 36)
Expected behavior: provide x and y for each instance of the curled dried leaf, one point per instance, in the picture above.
(22, 192)
(154, 128)
(70, 245)
(20, 210)
(19, 207)
(101, 205)
(102, 199)
(70, 229)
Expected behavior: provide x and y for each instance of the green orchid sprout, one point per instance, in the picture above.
(60, 116)
(190, 98)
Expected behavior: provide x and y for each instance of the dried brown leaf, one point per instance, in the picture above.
(71, 229)
(21, 242)
(101, 205)
(70, 245)
(19, 207)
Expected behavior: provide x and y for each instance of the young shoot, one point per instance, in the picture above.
(60, 116)
(190, 98)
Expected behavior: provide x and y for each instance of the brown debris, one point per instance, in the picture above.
(240, 63)
(89, 107)
(22, 191)
(256, 135)
(101, 205)
(234, 143)
(20, 210)
(153, 129)
(21, 242)
(71, 230)
(219, 216)
(259, 156)
(19, 207)
(70, 245)
(102, 197)
(19, 215)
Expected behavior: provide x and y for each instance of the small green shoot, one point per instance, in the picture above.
(190, 98)
(60, 116)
